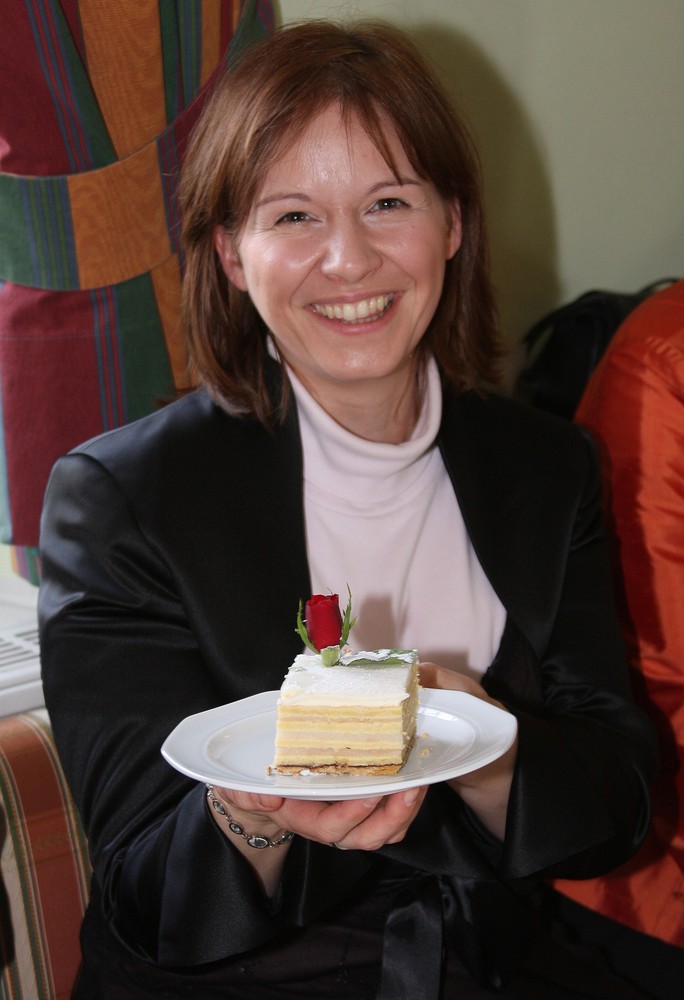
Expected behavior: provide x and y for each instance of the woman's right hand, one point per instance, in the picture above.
(360, 824)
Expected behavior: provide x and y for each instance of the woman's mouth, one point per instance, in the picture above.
(364, 311)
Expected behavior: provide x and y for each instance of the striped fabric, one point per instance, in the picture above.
(44, 866)
(97, 100)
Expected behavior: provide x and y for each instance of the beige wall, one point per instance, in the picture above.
(578, 109)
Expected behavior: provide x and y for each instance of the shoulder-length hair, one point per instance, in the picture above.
(258, 110)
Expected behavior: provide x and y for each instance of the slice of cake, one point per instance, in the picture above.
(356, 717)
(341, 712)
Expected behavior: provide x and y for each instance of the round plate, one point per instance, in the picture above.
(232, 747)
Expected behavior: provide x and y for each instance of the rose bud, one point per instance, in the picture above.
(323, 620)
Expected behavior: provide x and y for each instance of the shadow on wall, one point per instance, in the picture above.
(517, 189)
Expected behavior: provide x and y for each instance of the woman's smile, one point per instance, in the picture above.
(363, 311)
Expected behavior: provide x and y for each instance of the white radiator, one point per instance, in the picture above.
(20, 687)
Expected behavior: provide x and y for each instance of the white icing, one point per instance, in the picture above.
(309, 681)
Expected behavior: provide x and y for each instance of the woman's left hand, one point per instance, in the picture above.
(486, 790)
(434, 676)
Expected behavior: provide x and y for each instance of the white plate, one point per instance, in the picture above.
(232, 746)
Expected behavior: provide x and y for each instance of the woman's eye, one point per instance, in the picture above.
(387, 204)
(291, 218)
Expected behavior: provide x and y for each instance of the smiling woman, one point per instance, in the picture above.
(344, 260)
(342, 328)
(396, 159)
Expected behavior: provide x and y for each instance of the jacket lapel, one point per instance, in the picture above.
(236, 522)
(500, 459)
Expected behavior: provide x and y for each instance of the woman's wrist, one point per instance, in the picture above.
(239, 828)
(247, 831)
(487, 790)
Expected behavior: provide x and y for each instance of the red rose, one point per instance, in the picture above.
(323, 620)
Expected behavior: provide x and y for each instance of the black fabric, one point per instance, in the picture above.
(488, 926)
(173, 554)
(336, 958)
(413, 942)
(652, 965)
(565, 346)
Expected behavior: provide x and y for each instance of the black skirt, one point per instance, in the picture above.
(339, 957)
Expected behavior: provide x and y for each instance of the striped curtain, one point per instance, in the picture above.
(97, 99)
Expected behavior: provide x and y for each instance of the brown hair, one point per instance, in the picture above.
(258, 109)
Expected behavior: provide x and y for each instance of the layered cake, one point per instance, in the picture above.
(356, 716)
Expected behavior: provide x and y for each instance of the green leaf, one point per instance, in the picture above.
(302, 630)
(348, 622)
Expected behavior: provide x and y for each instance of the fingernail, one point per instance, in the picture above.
(410, 796)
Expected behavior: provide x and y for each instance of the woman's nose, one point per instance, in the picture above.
(349, 253)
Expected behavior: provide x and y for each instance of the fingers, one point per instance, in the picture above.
(386, 823)
(434, 676)
(328, 822)
(397, 813)
(355, 824)
(311, 818)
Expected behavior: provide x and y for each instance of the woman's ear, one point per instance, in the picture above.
(455, 231)
(229, 258)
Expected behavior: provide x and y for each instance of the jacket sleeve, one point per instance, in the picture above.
(587, 754)
(121, 667)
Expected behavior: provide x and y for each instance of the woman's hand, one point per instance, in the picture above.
(354, 824)
(361, 824)
(434, 676)
(487, 790)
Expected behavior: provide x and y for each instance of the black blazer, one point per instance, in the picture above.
(173, 554)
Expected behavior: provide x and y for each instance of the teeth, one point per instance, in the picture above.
(353, 312)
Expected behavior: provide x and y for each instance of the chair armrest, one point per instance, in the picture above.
(44, 864)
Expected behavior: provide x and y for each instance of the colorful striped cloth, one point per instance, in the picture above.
(44, 865)
(97, 99)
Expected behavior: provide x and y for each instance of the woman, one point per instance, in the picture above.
(341, 321)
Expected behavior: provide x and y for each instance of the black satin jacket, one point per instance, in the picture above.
(173, 553)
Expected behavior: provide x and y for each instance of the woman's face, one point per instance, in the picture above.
(344, 263)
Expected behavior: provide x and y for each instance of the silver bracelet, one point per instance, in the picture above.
(253, 839)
